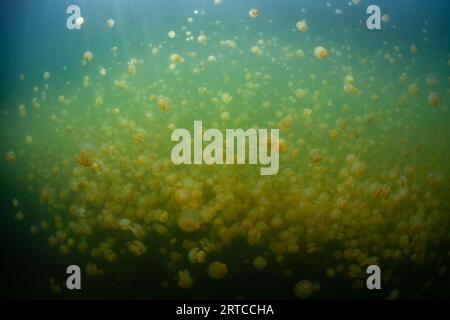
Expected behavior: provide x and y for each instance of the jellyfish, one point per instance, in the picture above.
(185, 280)
(120, 84)
(433, 100)
(320, 53)
(28, 139)
(164, 103)
(171, 34)
(102, 72)
(137, 248)
(253, 13)
(189, 221)
(302, 26)
(202, 39)
(11, 156)
(131, 69)
(15, 203)
(86, 153)
(19, 216)
(315, 156)
(87, 56)
(46, 75)
(196, 255)
(303, 289)
(259, 262)
(217, 270)
(110, 23)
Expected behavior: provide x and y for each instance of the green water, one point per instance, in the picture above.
(87, 176)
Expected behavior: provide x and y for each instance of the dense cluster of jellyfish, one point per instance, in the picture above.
(363, 175)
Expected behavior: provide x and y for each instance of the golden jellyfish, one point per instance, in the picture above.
(302, 26)
(19, 216)
(175, 57)
(253, 13)
(79, 21)
(10, 156)
(102, 72)
(137, 248)
(433, 100)
(315, 156)
(196, 255)
(202, 39)
(414, 49)
(185, 280)
(303, 289)
(334, 134)
(28, 139)
(164, 103)
(15, 203)
(320, 53)
(259, 262)
(131, 69)
(413, 89)
(120, 84)
(46, 75)
(86, 153)
(189, 221)
(217, 270)
(171, 34)
(110, 23)
(87, 57)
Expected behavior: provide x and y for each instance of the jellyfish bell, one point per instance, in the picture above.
(102, 71)
(253, 13)
(87, 152)
(87, 56)
(164, 103)
(433, 100)
(171, 34)
(320, 53)
(303, 289)
(11, 156)
(302, 26)
(46, 75)
(110, 23)
(79, 21)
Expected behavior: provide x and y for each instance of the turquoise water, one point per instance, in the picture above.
(87, 177)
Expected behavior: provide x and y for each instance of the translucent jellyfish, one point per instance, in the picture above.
(110, 23)
(259, 262)
(120, 84)
(15, 203)
(175, 57)
(28, 139)
(413, 89)
(137, 248)
(212, 59)
(171, 34)
(19, 216)
(196, 255)
(320, 53)
(253, 13)
(217, 2)
(414, 49)
(102, 72)
(87, 56)
(433, 100)
(131, 69)
(202, 39)
(189, 221)
(302, 26)
(315, 156)
(303, 289)
(10, 156)
(46, 75)
(164, 103)
(185, 280)
(217, 270)
(79, 21)
(299, 53)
